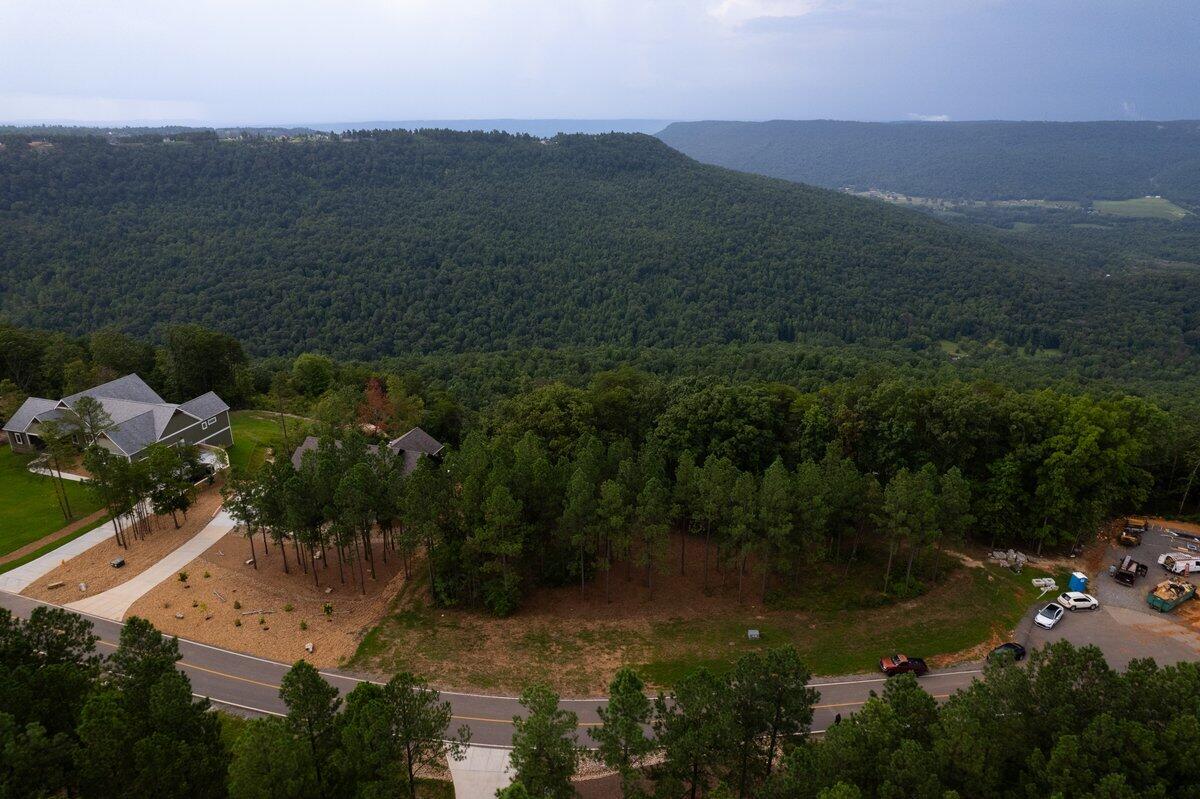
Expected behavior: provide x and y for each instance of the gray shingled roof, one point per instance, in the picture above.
(138, 414)
(416, 440)
(134, 434)
(307, 445)
(28, 411)
(413, 445)
(129, 387)
(204, 406)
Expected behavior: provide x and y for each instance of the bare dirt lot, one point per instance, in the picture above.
(220, 579)
(93, 566)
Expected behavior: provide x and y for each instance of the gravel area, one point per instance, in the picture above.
(220, 578)
(94, 568)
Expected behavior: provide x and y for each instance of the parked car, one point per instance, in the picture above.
(1179, 563)
(1049, 616)
(1011, 650)
(1077, 600)
(902, 664)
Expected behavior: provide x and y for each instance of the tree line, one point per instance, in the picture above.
(1065, 725)
(563, 485)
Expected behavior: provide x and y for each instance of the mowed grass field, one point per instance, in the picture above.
(256, 434)
(1141, 208)
(28, 507)
(837, 620)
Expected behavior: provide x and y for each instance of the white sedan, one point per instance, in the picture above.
(1077, 600)
(1049, 616)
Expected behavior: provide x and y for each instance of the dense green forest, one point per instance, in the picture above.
(968, 160)
(557, 483)
(393, 244)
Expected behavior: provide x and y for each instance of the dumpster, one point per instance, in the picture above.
(1078, 582)
(1170, 594)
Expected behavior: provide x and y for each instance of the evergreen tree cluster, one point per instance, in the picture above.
(572, 486)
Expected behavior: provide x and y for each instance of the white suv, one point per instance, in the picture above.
(1077, 600)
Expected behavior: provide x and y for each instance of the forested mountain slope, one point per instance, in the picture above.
(960, 160)
(389, 243)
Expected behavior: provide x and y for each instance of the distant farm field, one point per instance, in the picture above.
(1141, 208)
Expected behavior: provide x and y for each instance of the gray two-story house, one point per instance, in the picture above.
(139, 418)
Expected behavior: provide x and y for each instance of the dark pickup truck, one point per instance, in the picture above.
(902, 664)
(1128, 570)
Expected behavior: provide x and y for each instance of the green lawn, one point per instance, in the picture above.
(255, 434)
(28, 508)
(1141, 208)
(53, 545)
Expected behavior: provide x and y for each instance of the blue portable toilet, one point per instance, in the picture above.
(1078, 582)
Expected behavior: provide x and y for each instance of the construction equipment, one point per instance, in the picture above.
(1135, 528)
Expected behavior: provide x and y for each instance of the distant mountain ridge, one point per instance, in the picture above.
(542, 128)
(394, 243)
(960, 160)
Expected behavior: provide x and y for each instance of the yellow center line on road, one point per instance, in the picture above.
(482, 719)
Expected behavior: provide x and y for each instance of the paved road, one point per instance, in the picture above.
(1124, 628)
(250, 685)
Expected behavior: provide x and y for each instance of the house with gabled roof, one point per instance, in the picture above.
(412, 446)
(140, 417)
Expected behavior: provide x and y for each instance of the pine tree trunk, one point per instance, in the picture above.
(66, 499)
(370, 551)
(253, 554)
(887, 574)
(429, 560)
(362, 586)
(683, 549)
(766, 576)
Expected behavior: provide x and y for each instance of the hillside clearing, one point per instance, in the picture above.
(1141, 208)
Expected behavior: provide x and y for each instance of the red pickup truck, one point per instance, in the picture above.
(902, 664)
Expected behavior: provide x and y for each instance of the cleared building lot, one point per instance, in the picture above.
(1125, 627)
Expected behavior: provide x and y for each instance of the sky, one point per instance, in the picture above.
(248, 62)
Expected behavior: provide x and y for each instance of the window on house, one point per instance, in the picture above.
(17, 437)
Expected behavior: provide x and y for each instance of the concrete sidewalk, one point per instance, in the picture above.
(113, 603)
(483, 771)
(78, 478)
(22, 577)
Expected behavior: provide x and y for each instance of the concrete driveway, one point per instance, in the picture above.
(113, 603)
